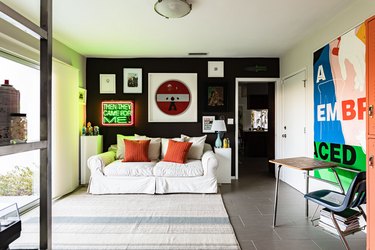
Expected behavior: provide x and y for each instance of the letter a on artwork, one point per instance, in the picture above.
(320, 74)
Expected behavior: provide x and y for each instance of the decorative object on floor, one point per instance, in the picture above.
(216, 97)
(133, 81)
(220, 128)
(107, 84)
(172, 8)
(216, 69)
(172, 97)
(175, 221)
(207, 124)
(117, 113)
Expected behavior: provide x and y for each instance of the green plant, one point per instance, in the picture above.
(17, 182)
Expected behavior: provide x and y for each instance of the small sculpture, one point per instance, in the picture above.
(89, 129)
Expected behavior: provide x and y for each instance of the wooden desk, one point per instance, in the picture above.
(306, 164)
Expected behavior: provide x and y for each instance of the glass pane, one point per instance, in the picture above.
(26, 80)
(19, 179)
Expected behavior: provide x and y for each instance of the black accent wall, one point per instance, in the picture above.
(233, 68)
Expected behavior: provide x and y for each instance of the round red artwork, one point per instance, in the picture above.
(173, 97)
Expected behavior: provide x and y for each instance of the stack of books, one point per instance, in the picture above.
(347, 220)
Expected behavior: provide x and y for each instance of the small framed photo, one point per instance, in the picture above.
(107, 84)
(216, 97)
(215, 69)
(207, 124)
(133, 81)
(82, 96)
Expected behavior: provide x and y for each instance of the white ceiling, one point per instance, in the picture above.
(222, 28)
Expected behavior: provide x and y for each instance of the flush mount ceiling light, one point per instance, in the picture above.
(172, 8)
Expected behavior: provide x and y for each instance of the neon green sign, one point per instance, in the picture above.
(117, 113)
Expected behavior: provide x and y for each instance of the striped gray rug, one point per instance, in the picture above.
(173, 221)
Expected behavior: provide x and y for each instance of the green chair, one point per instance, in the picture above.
(337, 203)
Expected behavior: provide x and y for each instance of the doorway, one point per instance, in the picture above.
(255, 116)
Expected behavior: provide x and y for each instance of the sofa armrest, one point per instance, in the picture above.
(210, 163)
(96, 163)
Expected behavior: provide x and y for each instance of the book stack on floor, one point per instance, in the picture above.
(347, 220)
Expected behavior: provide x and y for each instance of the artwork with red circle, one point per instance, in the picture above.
(173, 97)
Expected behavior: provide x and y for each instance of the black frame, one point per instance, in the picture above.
(220, 105)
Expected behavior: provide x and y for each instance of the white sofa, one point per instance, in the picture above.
(111, 176)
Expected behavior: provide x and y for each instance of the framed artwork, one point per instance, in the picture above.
(107, 84)
(172, 97)
(133, 81)
(207, 124)
(215, 69)
(216, 97)
(82, 96)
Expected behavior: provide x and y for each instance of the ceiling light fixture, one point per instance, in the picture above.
(172, 8)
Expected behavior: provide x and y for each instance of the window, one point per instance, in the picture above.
(19, 173)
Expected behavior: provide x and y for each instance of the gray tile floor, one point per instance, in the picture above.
(249, 202)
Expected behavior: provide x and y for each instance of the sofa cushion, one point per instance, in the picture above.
(196, 150)
(136, 150)
(171, 169)
(154, 148)
(121, 145)
(119, 168)
(177, 151)
(164, 145)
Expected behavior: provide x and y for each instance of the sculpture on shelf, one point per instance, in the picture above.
(90, 130)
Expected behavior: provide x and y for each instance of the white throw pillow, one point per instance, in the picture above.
(154, 148)
(196, 149)
(120, 153)
(164, 145)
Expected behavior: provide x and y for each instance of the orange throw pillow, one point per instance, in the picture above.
(177, 151)
(136, 150)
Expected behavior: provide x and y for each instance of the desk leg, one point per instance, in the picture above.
(307, 190)
(276, 195)
(338, 180)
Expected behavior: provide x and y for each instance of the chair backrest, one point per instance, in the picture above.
(356, 194)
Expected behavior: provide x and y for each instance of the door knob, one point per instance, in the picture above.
(283, 135)
(371, 161)
(370, 110)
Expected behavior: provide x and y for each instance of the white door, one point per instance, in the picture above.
(65, 130)
(294, 126)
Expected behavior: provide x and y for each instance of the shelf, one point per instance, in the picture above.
(22, 147)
